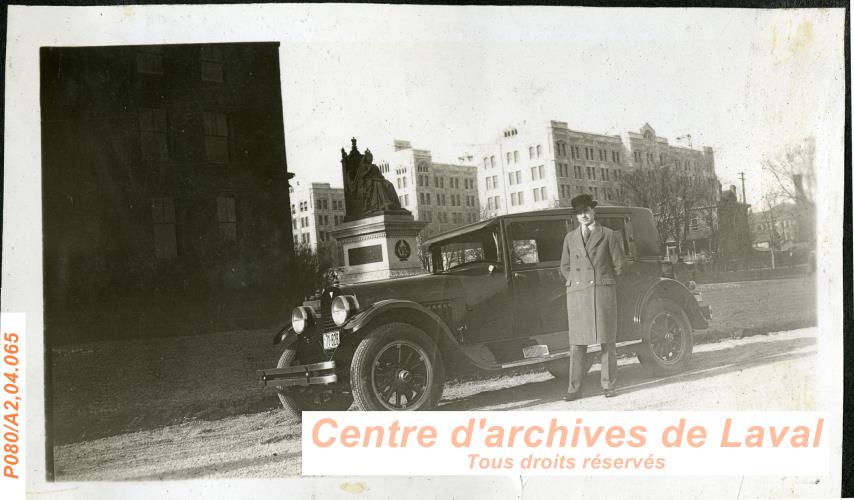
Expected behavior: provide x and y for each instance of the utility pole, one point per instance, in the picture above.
(743, 196)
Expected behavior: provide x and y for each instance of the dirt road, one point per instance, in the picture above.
(765, 372)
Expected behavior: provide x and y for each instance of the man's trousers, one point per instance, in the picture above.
(577, 366)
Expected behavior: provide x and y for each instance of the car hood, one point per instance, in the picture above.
(422, 288)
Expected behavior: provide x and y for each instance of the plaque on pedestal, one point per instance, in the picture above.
(379, 247)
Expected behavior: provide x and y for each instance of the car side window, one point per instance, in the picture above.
(534, 242)
(618, 225)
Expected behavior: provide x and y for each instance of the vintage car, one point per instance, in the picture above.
(494, 300)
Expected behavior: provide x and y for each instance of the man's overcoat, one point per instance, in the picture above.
(591, 272)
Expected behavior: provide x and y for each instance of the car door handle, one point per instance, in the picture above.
(519, 275)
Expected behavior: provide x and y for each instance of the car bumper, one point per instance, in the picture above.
(313, 374)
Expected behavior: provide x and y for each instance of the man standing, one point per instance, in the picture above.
(592, 259)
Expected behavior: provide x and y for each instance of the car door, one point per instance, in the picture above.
(629, 283)
(538, 290)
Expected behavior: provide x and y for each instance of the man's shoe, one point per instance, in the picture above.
(570, 396)
(610, 393)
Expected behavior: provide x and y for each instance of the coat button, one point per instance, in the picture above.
(591, 282)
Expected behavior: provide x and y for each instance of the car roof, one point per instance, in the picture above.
(563, 211)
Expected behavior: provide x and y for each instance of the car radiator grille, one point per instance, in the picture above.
(326, 323)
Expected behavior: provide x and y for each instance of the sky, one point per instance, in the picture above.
(744, 82)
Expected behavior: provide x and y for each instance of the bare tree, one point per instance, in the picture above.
(672, 194)
(793, 169)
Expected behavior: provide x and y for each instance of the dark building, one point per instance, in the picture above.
(734, 242)
(165, 187)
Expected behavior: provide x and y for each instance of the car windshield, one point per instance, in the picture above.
(477, 246)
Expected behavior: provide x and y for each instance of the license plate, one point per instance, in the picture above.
(331, 340)
(535, 351)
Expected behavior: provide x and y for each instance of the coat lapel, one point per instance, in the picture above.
(595, 237)
(579, 241)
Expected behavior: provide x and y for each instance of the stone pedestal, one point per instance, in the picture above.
(379, 247)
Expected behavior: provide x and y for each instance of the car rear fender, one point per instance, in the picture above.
(677, 292)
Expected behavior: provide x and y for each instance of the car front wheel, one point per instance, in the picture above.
(297, 399)
(668, 338)
(397, 367)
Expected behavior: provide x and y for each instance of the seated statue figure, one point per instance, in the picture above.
(376, 192)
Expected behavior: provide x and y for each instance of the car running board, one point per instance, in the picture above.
(562, 355)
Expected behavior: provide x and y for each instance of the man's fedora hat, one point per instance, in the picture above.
(583, 201)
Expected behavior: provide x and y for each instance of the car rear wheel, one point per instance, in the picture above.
(397, 367)
(297, 399)
(668, 338)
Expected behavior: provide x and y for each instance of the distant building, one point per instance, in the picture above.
(778, 227)
(316, 209)
(540, 166)
(163, 171)
(445, 195)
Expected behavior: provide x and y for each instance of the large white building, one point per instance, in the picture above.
(444, 195)
(316, 209)
(539, 166)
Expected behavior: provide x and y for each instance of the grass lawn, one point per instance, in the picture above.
(110, 387)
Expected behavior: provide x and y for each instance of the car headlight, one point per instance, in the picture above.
(343, 307)
(301, 318)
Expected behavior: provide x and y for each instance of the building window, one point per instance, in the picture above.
(491, 161)
(485, 162)
(578, 172)
(153, 136)
(216, 136)
(211, 58)
(515, 157)
(149, 59)
(539, 150)
(163, 219)
(531, 152)
(226, 218)
(543, 193)
(603, 174)
(509, 156)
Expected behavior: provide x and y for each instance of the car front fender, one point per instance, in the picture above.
(406, 311)
(286, 336)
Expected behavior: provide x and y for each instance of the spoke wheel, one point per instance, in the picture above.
(397, 367)
(401, 375)
(297, 399)
(668, 338)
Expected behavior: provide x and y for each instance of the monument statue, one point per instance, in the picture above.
(366, 191)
